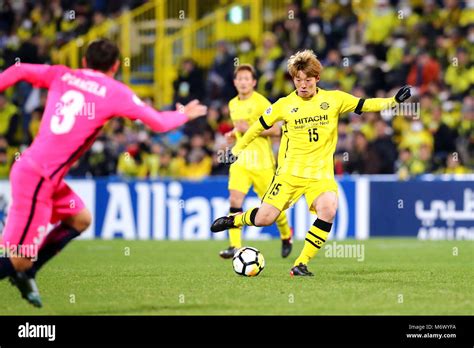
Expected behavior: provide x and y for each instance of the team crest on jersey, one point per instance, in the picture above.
(324, 106)
(294, 110)
(268, 111)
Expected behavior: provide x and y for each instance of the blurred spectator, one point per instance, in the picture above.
(454, 165)
(35, 122)
(403, 164)
(362, 158)
(384, 148)
(246, 51)
(269, 56)
(368, 48)
(5, 161)
(190, 84)
(460, 74)
(424, 70)
(220, 76)
(333, 72)
(9, 119)
(465, 141)
(416, 136)
(138, 161)
(314, 36)
(444, 137)
(380, 24)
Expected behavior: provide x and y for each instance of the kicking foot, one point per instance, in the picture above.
(28, 288)
(300, 270)
(223, 223)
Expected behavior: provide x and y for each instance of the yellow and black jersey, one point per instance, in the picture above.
(258, 154)
(309, 133)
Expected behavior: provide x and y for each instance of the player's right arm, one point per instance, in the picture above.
(39, 75)
(133, 108)
(271, 115)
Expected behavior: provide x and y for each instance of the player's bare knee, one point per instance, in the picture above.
(84, 221)
(81, 221)
(326, 211)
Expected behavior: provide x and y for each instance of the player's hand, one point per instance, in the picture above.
(193, 109)
(229, 157)
(241, 126)
(230, 137)
(403, 94)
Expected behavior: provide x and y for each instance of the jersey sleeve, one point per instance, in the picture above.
(132, 107)
(39, 75)
(271, 115)
(263, 105)
(350, 103)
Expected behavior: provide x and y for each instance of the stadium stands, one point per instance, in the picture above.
(428, 44)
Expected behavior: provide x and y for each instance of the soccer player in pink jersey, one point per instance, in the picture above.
(68, 128)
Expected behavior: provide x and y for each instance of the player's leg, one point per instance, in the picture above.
(261, 183)
(74, 218)
(236, 199)
(239, 185)
(325, 206)
(276, 199)
(25, 228)
(265, 215)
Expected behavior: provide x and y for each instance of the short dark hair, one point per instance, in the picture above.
(101, 55)
(245, 67)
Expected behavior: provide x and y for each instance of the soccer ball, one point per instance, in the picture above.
(248, 262)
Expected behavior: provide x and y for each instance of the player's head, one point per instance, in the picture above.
(305, 70)
(102, 55)
(245, 79)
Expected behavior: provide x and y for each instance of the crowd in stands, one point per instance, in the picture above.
(368, 53)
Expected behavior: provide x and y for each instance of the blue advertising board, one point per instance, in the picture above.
(369, 206)
(178, 210)
(426, 209)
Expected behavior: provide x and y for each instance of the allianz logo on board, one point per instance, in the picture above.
(160, 212)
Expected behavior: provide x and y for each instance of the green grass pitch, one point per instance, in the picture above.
(396, 277)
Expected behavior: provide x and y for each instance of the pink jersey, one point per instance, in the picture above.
(79, 103)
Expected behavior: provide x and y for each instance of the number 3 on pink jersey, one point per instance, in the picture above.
(70, 105)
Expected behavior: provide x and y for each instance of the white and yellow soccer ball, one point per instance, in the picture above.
(248, 262)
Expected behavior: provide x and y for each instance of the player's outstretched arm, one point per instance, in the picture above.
(379, 104)
(39, 75)
(159, 121)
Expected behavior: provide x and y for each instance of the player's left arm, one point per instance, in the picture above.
(274, 131)
(39, 75)
(132, 107)
(351, 103)
(265, 122)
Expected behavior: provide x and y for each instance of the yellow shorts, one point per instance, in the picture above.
(286, 189)
(241, 179)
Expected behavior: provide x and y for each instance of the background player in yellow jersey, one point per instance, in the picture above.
(256, 164)
(306, 153)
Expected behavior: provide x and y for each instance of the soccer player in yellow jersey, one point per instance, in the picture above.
(256, 164)
(310, 116)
